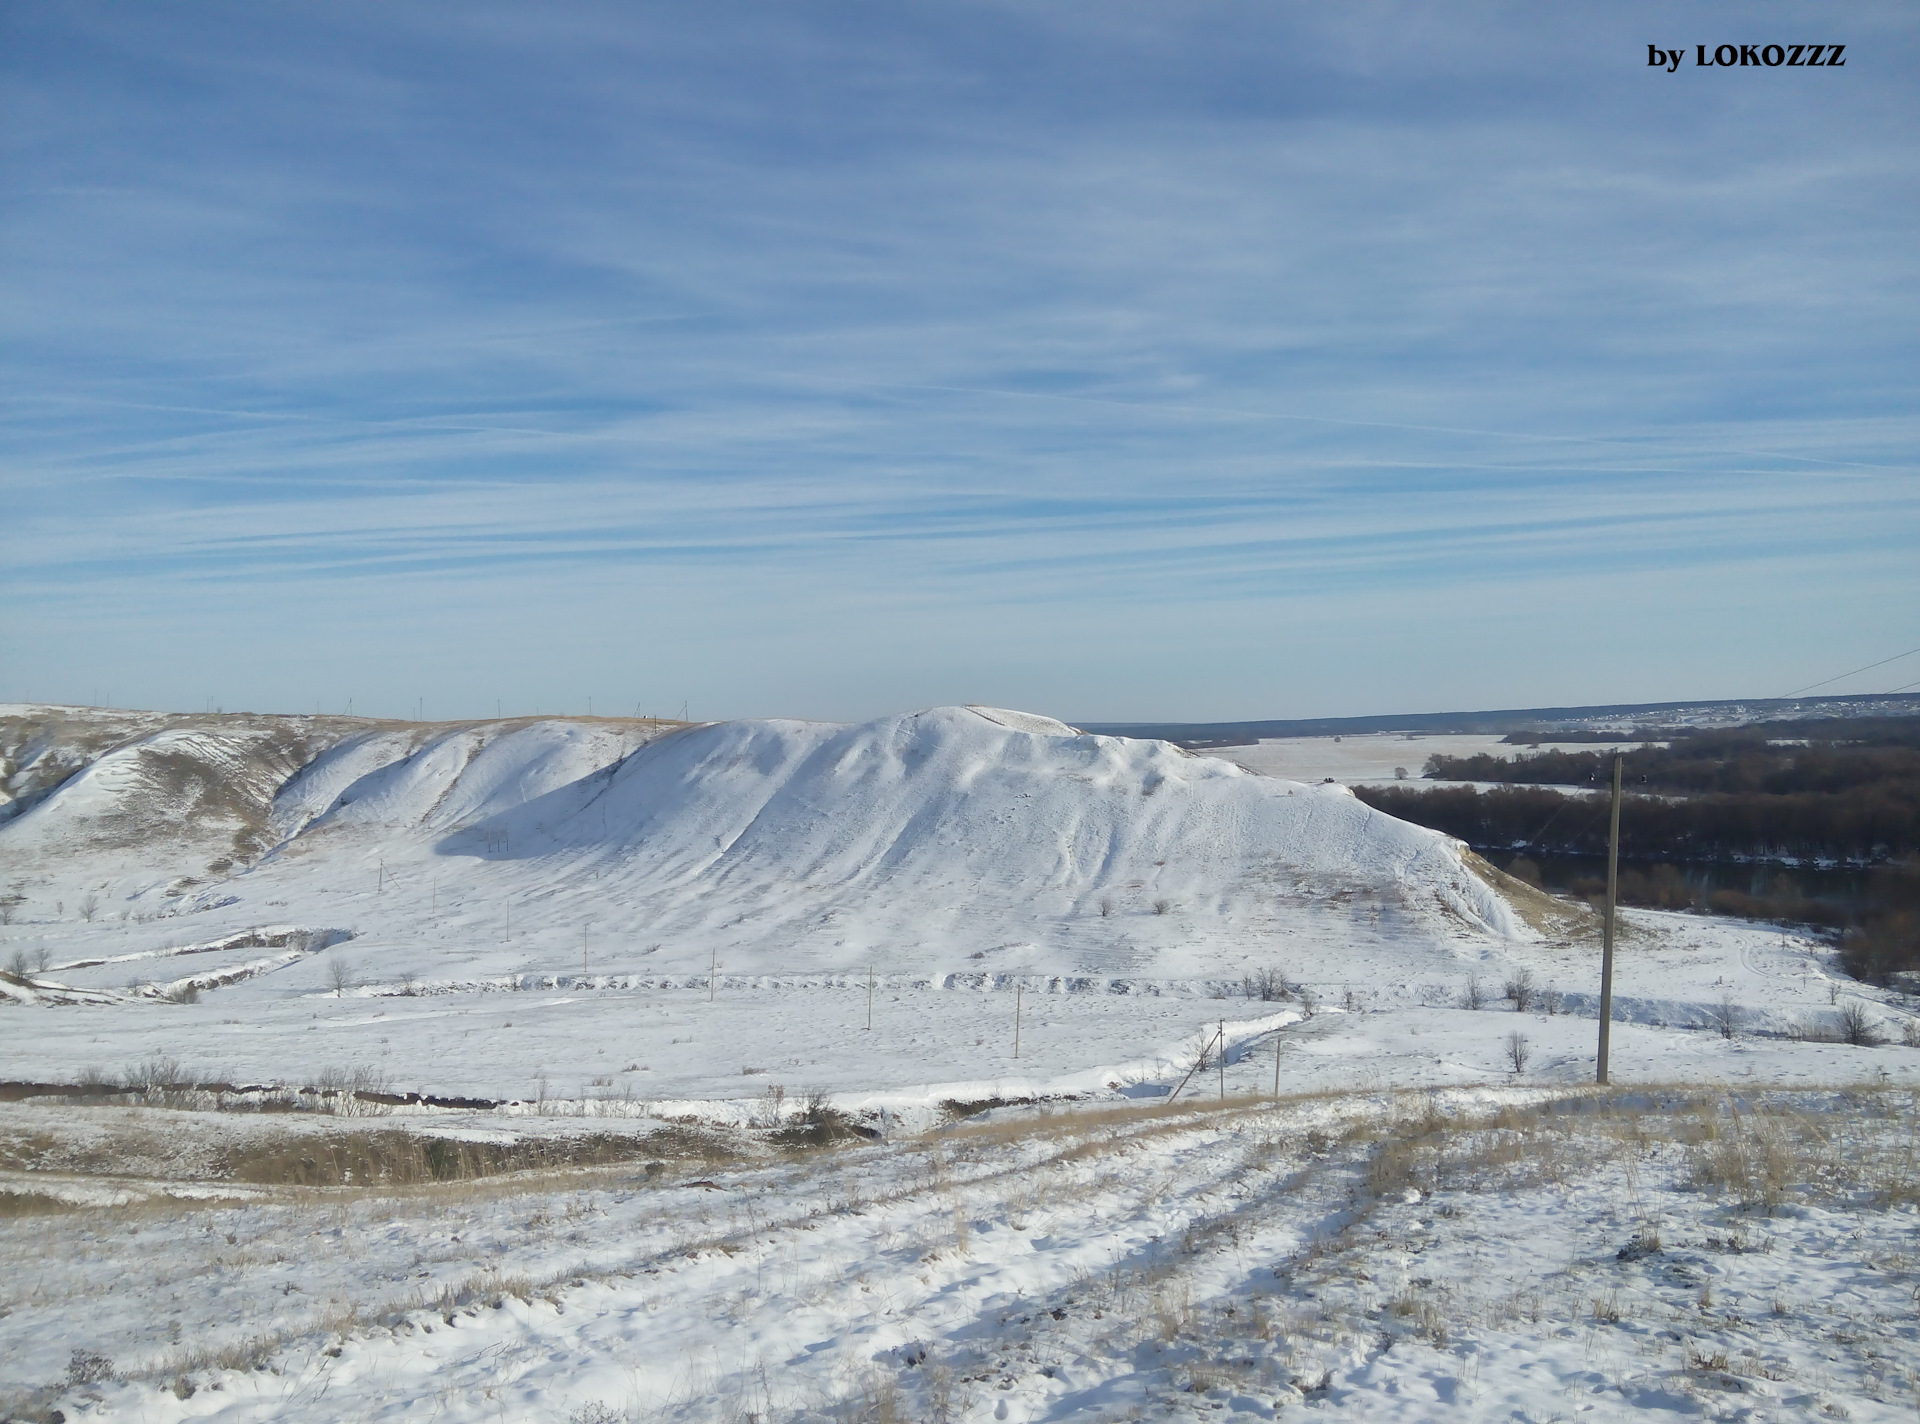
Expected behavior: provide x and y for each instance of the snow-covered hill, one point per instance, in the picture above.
(932, 840)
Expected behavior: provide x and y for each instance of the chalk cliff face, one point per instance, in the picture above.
(938, 838)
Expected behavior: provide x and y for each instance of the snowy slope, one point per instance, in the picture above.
(683, 907)
(932, 837)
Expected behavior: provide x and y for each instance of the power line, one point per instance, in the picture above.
(1868, 668)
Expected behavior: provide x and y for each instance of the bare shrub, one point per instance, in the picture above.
(1309, 1001)
(1856, 1025)
(89, 906)
(339, 1091)
(1474, 996)
(1551, 1000)
(1520, 990)
(1518, 1052)
(157, 1072)
(17, 965)
(341, 975)
(84, 1367)
(1726, 1016)
(597, 1413)
(1266, 985)
(1161, 907)
(1106, 906)
(1910, 1033)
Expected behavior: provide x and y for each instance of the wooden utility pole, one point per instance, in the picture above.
(1606, 928)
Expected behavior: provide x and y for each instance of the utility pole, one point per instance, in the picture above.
(1606, 928)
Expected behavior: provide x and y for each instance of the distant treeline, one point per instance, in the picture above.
(1868, 823)
(1770, 759)
(1834, 791)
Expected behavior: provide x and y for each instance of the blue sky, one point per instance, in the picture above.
(825, 359)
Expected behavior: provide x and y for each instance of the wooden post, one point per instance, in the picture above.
(1606, 929)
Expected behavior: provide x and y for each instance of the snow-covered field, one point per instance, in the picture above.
(676, 951)
(1493, 1253)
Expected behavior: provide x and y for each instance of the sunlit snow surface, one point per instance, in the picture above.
(609, 926)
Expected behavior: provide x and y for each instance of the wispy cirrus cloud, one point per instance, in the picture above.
(838, 328)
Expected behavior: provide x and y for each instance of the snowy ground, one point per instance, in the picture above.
(655, 950)
(1502, 1252)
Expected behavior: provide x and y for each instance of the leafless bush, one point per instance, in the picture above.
(1106, 906)
(89, 906)
(341, 975)
(1521, 991)
(1910, 1033)
(1161, 907)
(1856, 1025)
(1309, 1001)
(1266, 985)
(84, 1367)
(1726, 1016)
(42, 957)
(17, 965)
(338, 1090)
(1551, 1000)
(1474, 996)
(159, 1071)
(1518, 1052)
